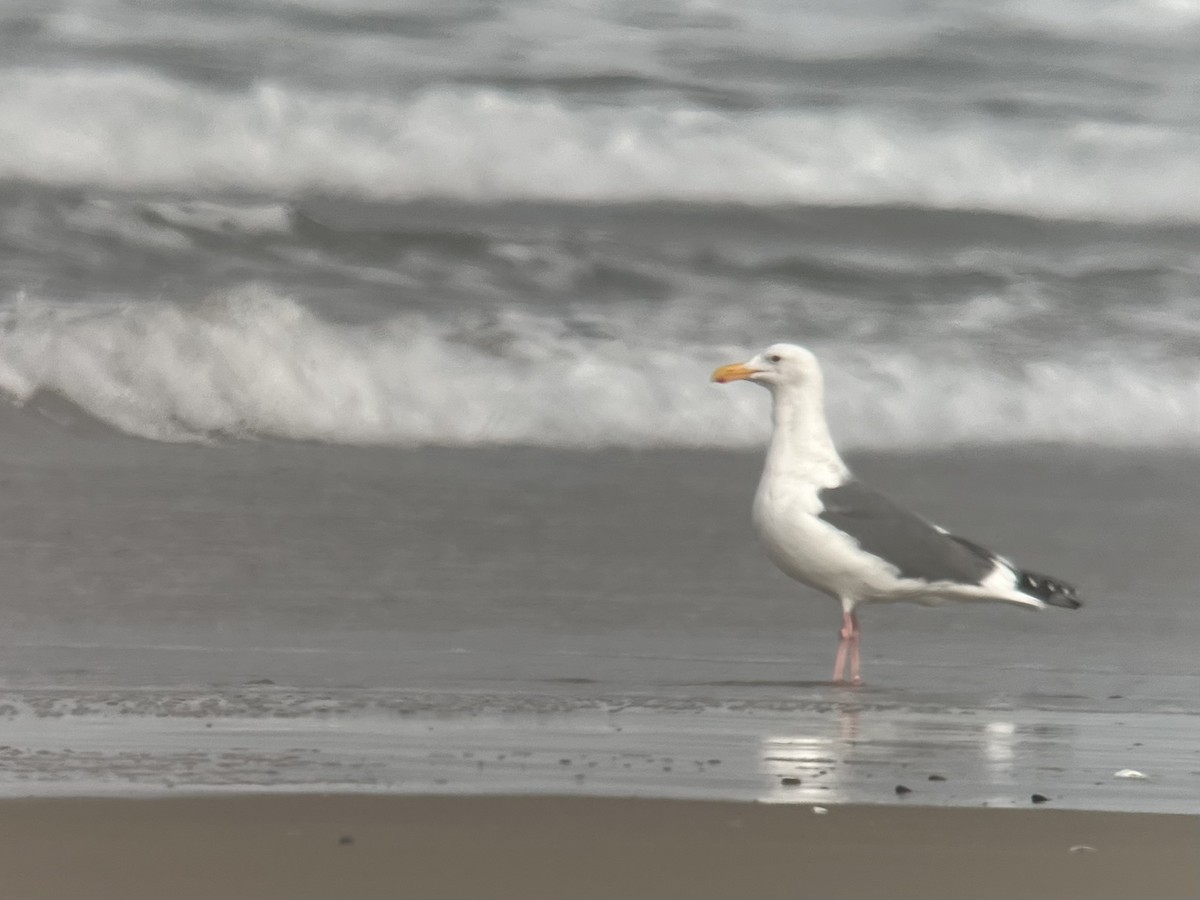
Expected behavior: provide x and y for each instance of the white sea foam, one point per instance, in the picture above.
(1163, 21)
(256, 363)
(242, 218)
(135, 130)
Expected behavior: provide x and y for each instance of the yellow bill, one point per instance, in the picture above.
(733, 372)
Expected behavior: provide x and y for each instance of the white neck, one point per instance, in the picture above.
(801, 445)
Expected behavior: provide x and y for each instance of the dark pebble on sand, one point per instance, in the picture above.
(789, 780)
(937, 777)
(901, 790)
(1039, 798)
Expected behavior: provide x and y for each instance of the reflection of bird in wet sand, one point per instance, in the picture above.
(828, 530)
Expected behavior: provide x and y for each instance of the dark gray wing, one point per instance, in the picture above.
(916, 548)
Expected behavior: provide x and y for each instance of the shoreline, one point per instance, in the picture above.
(461, 622)
(353, 846)
(749, 741)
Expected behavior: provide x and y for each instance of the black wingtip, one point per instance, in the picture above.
(1050, 590)
(1064, 602)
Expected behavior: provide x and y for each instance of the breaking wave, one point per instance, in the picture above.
(254, 363)
(137, 130)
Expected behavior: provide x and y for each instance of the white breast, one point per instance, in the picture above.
(809, 549)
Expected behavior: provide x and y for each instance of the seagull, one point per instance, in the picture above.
(828, 530)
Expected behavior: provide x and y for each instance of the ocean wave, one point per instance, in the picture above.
(133, 130)
(254, 363)
(1164, 22)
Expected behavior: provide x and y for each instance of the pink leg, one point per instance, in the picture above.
(848, 648)
(855, 663)
(839, 664)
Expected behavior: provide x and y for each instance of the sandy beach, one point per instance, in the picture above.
(552, 847)
(229, 675)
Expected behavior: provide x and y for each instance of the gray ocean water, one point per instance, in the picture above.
(356, 360)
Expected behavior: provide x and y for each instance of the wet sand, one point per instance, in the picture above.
(165, 605)
(779, 743)
(360, 629)
(574, 848)
(468, 569)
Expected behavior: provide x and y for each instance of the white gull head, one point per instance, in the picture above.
(801, 446)
(780, 366)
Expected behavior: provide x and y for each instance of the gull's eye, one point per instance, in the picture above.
(774, 357)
